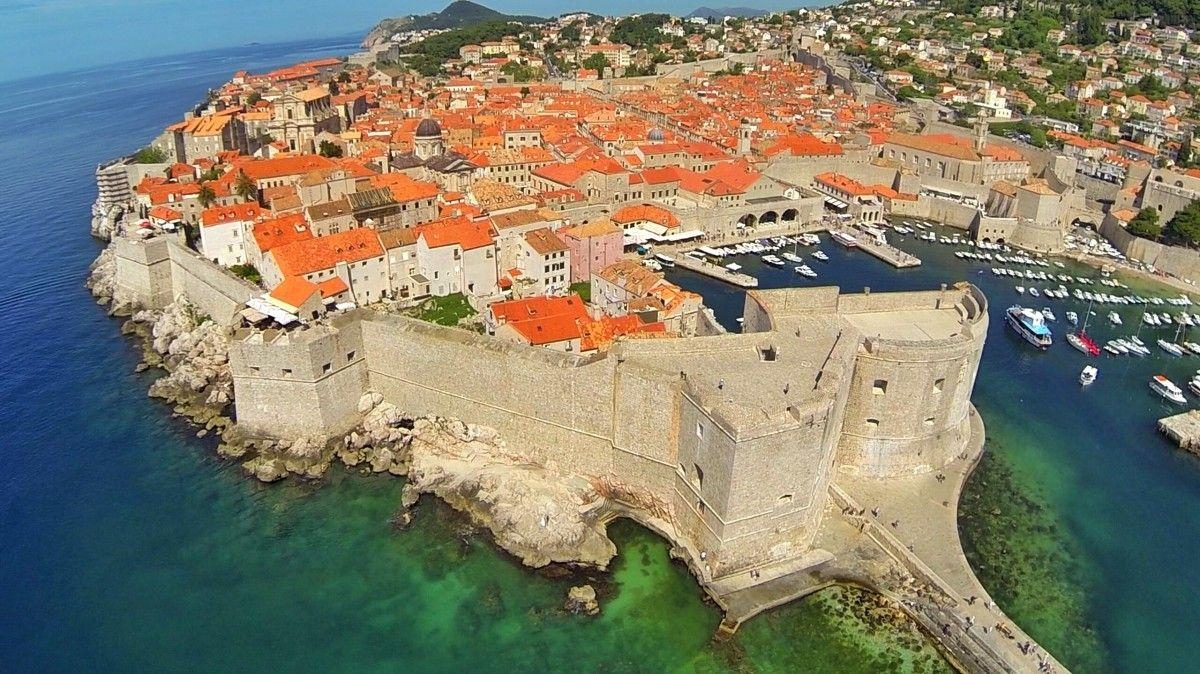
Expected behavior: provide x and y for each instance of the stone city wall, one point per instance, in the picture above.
(158, 270)
(1181, 262)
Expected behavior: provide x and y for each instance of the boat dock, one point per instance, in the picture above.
(716, 271)
(1183, 430)
(889, 254)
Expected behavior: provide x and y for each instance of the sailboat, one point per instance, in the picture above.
(1080, 340)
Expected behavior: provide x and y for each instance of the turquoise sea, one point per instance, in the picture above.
(128, 546)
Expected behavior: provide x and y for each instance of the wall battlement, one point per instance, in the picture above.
(740, 433)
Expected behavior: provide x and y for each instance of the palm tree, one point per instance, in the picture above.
(244, 187)
(206, 195)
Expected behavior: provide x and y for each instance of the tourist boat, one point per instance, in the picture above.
(664, 259)
(820, 255)
(652, 265)
(845, 239)
(806, 271)
(1167, 389)
(1170, 348)
(1072, 318)
(1030, 325)
(1088, 375)
(772, 260)
(1114, 318)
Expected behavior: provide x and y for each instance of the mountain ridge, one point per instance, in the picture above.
(458, 14)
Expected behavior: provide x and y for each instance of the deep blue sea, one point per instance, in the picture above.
(128, 546)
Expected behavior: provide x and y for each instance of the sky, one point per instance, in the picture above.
(39, 37)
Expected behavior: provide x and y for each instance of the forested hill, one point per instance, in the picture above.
(458, 14)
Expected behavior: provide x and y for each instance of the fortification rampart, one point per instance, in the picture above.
(158, 270)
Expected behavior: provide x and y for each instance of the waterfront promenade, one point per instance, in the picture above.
(716, 271)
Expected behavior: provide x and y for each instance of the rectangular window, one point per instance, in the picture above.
(287, 372)
(880, 387)
(699, 475)
(872, 423)
(327, 368)
(700, 431)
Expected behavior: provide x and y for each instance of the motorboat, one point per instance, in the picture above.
(664, 259)
(1033, 292)
(820, 255)
(1088, 374)
(772, 260)
(1112, 350)
(791, 257)
(1170, 348)
(1194, 385)
(1114, 318)
(1193, 347)
(1072, 318)
(1167, 389)
(1020, 290)
(806, 271)
(1048, 315)
(1030, 325)
(733, 266)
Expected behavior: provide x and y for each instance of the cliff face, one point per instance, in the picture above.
(384, 30)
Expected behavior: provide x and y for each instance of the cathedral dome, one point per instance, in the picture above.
(429, 128)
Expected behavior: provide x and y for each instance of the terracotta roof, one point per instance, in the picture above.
(280, 231)
(646, 212)
(468, 234)
(544, 242)
(304, 257)
(293, 292)
(219, 215)
(278, 167)
(591, 229)
(543, 320)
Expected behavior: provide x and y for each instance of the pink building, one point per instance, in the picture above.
(593, 246)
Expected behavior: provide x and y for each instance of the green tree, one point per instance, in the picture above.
(247, 271)
(570, 32)
(244, 187)
(329, 148)
(150, 155)
(211, 174)
(1183, 158)
(1145, 224)
(253, 98)
(1185, 226)
(334, 89)
(343, 77)
(207, 195)
(595, 62)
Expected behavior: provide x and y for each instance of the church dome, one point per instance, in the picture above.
(656, 135)
(429, 128)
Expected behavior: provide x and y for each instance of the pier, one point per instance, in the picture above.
(716, 271)
(888, 253)
(1183, 430)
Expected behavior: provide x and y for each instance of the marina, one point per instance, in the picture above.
(1073, 544)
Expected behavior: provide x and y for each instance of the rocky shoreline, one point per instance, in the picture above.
(538, 515)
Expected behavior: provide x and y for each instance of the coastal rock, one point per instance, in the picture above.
(105, 222)
(582, 599)
(536, 514)
(265, 470)
(194, 350)
(102, 283)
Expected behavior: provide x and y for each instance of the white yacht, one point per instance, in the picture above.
(1167, 389)
(1088, 375)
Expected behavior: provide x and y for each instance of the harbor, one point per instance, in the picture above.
(1047, 520)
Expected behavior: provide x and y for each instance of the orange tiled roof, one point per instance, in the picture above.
(306, 256)
(293, 292)
(217, 215)
(468, 234)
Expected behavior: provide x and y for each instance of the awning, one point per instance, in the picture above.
(836, 203)
(279, 315)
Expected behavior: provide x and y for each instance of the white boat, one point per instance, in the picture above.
(1167, 389)
(845, 239)
(1072, 318)
(1048, 314)
(1033, 292)
(806, 271)
(664, 259)
(1170, 348)
(1088, 375)
(772, 260)
(733, 266)
(1114, 318)
(820, 255)
(1020, 290)
(791, 257)
(1194, 385)
(1193, 347)
(652, 265)
(1112, 350)
(715, 252)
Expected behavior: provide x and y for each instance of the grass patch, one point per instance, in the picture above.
(583, 289)
(448, 310)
